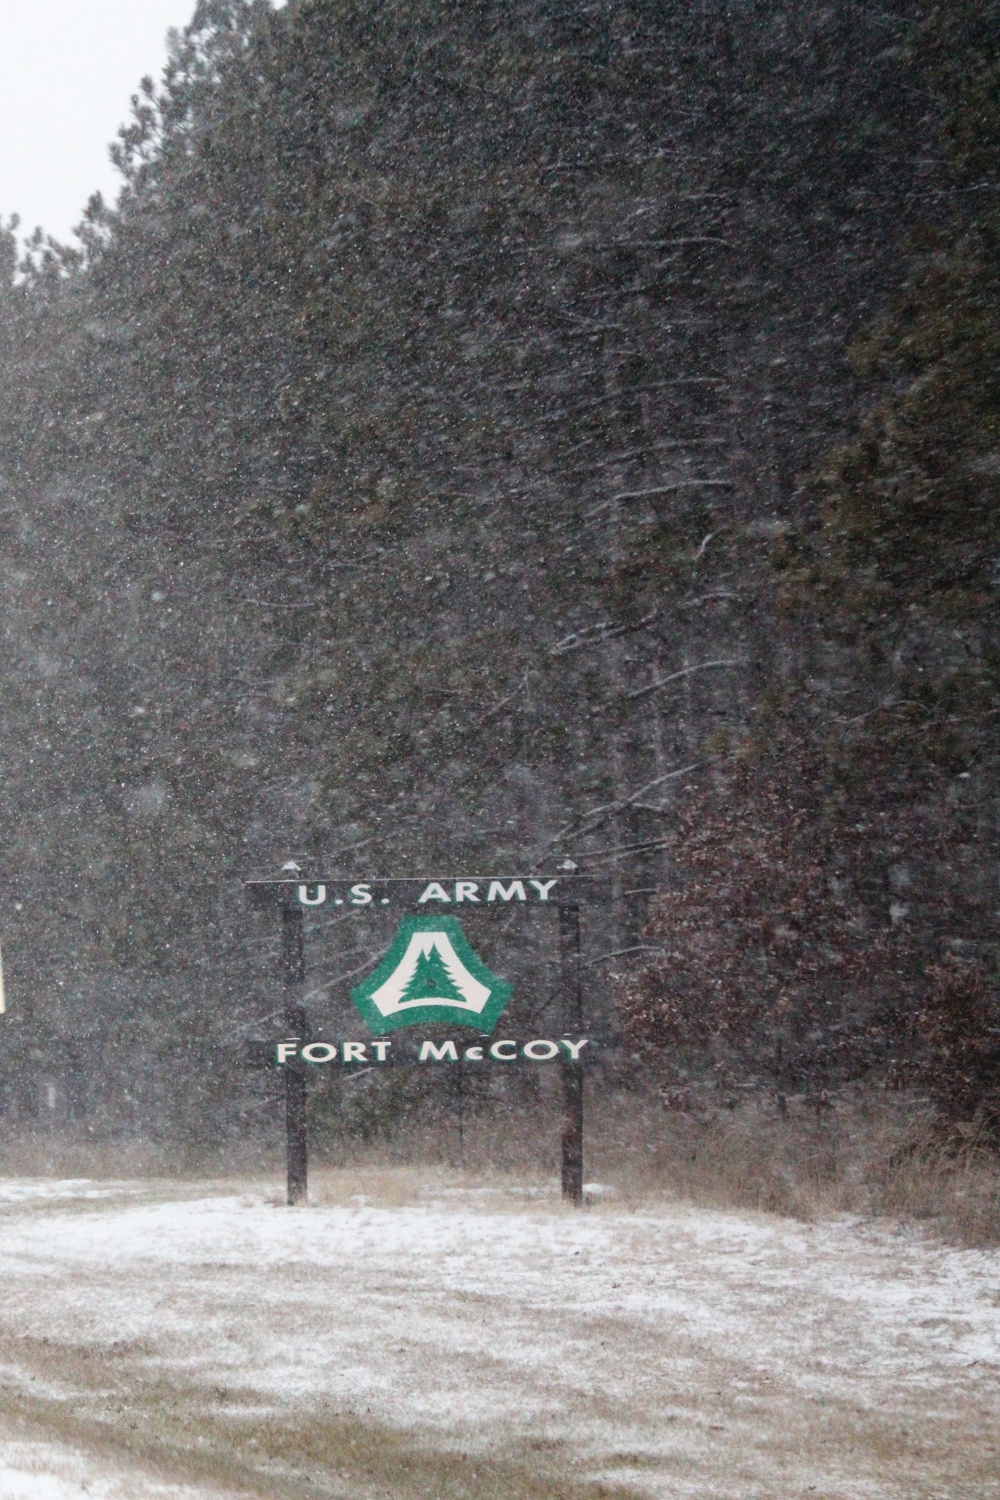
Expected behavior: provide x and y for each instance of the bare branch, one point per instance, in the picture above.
(268, 604)
(621, 952)
(691, 239)
(579, 827)
(704, 598)
(662, 682)
(625, 849)
(660, 489)
(675, 244)
(502, 703)
(594, 635)
(321, 989)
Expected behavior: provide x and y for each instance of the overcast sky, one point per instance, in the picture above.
(67, 71)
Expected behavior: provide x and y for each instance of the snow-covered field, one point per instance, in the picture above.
(427, 1338)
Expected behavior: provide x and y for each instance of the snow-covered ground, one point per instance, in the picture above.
(424, 1336)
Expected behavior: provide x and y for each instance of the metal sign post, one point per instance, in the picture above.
(429, 976)
(294, 966)
(571, 975)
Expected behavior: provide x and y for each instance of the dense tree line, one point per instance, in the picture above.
(874, 946)
(409, 467)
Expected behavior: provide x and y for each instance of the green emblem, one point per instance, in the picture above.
(431, 974)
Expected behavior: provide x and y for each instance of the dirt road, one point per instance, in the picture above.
(426, 1338)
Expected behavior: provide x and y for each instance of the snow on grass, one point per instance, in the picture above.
(48, 1190)
(50, 1471)
(681, 1351)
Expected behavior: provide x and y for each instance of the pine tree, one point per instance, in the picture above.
(887, 744)
(431, 980)
(426, 398)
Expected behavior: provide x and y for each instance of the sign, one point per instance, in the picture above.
(410, 1051)
(431, 974)
(483, 892)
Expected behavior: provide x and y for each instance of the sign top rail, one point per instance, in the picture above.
(492, 892)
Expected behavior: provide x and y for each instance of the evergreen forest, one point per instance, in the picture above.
(481, 436)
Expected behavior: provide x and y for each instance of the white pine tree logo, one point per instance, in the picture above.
(430, 974)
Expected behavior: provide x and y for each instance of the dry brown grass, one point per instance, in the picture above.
(954, 1186)
(111, 1406)
(872, 1154)
(26, 1153)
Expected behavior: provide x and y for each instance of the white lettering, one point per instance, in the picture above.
(430, 1051)
(286, 1050)
(539, 1050)
(434, 892)
(465, 890)
(474, 1054)
(380, 1049)
(543, 887)
(575, 1048)
(498, 891)
(503, 1056)
(355, 1052)
(306, 900)
(318, 1052)
(360, 895)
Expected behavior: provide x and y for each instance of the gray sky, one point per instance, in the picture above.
(67, 71)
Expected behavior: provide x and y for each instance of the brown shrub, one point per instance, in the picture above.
(957, 1062)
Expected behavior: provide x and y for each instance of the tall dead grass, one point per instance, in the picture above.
(872, 1154)
(28, 1153)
